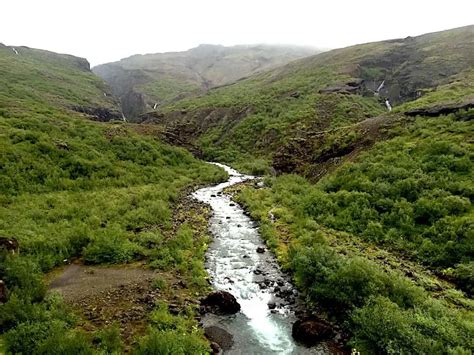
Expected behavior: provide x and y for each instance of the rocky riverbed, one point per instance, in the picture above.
(239, 263)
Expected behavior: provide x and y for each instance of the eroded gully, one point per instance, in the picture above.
(254, 279)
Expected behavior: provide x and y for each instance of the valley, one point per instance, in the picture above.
(115, 229)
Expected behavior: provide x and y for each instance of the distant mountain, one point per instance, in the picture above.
(144, 82)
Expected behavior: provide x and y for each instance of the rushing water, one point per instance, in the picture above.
(253, 278)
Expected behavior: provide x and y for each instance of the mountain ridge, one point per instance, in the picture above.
(259, 114)
(146, 81)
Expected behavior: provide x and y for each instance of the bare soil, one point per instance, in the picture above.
(104, 296)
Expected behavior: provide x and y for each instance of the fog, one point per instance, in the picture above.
(108, 30)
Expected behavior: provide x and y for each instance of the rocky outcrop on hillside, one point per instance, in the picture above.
(354, 86)
(438, 110)
(413, 64)
(314, 153)
(101, 114)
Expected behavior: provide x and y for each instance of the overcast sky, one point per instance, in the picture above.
(107, 30)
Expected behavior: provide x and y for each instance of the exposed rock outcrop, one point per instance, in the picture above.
(219, 336)
(354, 86)
(314, 153)
(133, 103)
(439, 110)
(10, 245)
(3, 292)
(183, 128)
(101, 114)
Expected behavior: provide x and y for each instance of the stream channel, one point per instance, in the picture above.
(253, 278)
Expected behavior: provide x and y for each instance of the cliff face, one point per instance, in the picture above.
(145, 82)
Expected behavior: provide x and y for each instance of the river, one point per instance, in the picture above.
(254, 279)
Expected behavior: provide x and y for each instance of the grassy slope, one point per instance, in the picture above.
(356, 241)
(365, 242)
(273, 107)
(76, 188)
(36, 81)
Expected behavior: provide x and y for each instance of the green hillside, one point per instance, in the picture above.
(35, 81)
(383, 241)
(384, 244)
(75, 189)
(145, 81)
(256, 116)
(369, 210)
(372, 210)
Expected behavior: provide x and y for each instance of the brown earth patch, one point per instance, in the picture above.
(104, 296)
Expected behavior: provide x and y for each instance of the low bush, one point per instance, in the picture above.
(111, 248)
(171, 342)
(172, 334)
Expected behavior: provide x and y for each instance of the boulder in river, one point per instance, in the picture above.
(260, 250)
(219, 336)
(216, 349)
(312, 330)
(220, 302)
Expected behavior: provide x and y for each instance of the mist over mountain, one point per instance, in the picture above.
(143, 82)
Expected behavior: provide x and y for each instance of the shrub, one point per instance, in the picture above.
(110, 248)
(109, 341)
(431, 328)
(382, 326)
(46, 337)
(464, 274)
(171, 342)
(22, 276)
(69, 343)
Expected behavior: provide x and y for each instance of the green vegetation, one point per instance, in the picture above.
(73, 188)
(410, 195)
(171, 334)
(38, 82)
(413, 193)
(271, 115)
(255, 117)
(383, 242)
(166, 89)
(458, 91)
(108, 196)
